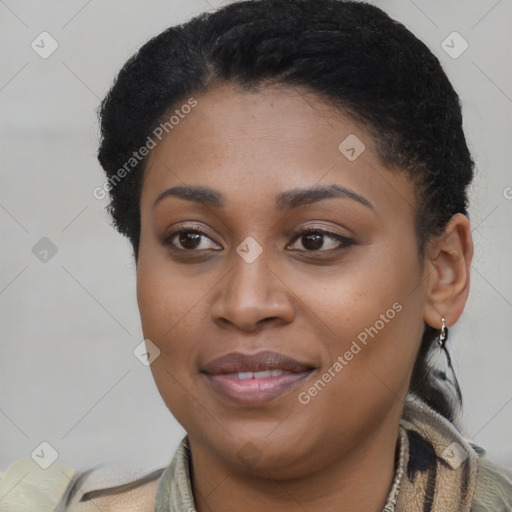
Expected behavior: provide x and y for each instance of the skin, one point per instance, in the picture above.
(251, 146)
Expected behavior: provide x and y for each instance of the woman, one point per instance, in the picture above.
(292, 176)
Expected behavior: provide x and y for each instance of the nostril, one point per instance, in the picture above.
(268, 319)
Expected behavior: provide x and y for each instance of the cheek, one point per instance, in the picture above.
(370, 316)
(170, 311)
(174, 310)
(368, 289)
(163, 307)
(372, 341)
(168, 298)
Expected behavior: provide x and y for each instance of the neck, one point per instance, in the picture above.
(359, 480)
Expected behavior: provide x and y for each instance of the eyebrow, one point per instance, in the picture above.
(290, 199)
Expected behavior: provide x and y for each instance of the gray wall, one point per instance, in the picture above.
(69, 324)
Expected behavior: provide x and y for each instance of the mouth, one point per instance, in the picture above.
(255, 379)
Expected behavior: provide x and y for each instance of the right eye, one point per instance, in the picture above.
(188, 238)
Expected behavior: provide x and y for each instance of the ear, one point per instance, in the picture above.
(447, 267)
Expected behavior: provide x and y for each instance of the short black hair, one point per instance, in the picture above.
(350, 54)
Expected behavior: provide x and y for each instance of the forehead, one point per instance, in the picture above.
(255, 144)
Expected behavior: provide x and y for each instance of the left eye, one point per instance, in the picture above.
(313, 240)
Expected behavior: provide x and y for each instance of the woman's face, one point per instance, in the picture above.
(346, 302)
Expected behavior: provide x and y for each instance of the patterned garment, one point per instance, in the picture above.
(441, 469)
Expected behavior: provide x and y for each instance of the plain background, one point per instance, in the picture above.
(69, 325)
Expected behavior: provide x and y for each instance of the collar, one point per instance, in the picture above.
(439, 467)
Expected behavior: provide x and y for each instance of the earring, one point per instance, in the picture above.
(443, 336)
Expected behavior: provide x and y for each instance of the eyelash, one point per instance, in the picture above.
(345, 242)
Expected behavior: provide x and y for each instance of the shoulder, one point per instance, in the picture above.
(116, 486)
(493, 490)
(112, 488)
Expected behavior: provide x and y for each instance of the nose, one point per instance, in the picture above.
(251, 295)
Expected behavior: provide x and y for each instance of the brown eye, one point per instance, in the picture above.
(187, 239)
(314, 239)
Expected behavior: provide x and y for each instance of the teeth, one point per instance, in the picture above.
(259, 375)
(262, 375)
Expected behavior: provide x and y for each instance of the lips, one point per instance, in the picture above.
(255, 379)
(237, 362)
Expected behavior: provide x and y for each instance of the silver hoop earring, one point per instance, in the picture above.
(443, 336)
